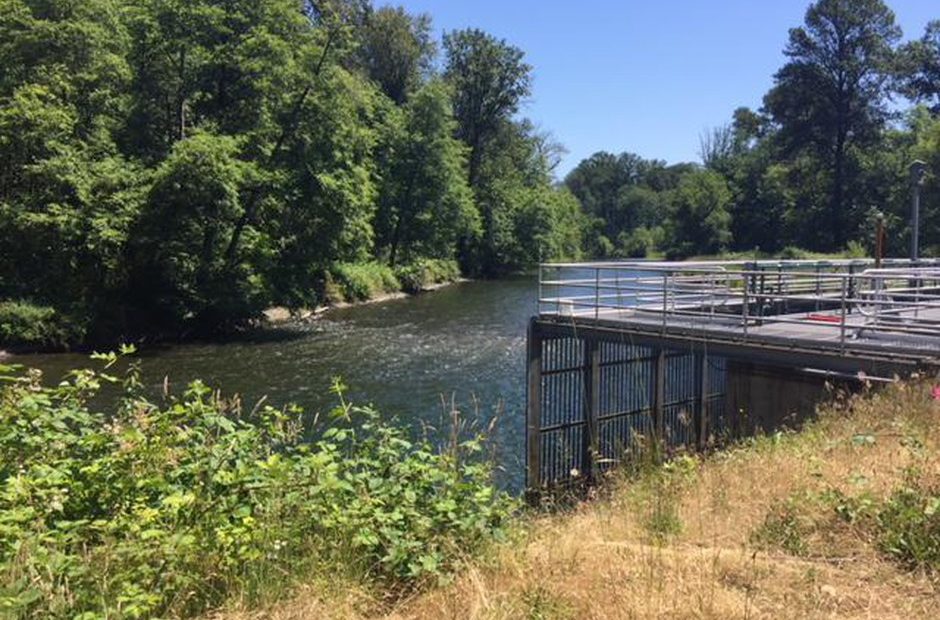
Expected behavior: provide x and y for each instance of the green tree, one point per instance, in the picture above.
(829, 100)
(699, 221)
(177, 253)
(425, 204)
(397, 51)
(66, 194)
(490, 79)
(920, 67)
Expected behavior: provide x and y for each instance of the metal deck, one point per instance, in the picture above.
(632, 354)
(835, 309)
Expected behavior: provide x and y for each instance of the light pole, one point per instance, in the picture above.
(918, 172)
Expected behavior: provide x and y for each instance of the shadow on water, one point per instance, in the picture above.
(410, 357)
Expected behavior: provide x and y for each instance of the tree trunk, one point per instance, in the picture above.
(181, 98)
(837, 208)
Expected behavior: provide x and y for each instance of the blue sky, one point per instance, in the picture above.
(648, 76)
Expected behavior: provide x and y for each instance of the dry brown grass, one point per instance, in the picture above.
(602, 560)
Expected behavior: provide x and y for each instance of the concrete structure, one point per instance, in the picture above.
(693, 353)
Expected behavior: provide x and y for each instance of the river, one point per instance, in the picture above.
(407, 356)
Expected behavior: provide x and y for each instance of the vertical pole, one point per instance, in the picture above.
(918, 169)
(665, 298)
(592, 398)
(533, 410)
(659, 397)
(818, 286)
(915, 223)
(842, 321)
(597, 293)
(745, 305)
(879, 240)
(850, 292)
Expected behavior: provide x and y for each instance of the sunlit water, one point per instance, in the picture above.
(407, 357)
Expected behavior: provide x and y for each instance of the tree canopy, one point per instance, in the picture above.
(172, 167)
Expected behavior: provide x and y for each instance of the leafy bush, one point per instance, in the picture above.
(657, 491)
(909, 524)
(792, 252)
(426, 272)
(151, 510)
(23, 324)
(784, 527)
(855, 249)
(364, 281)
(640, 242)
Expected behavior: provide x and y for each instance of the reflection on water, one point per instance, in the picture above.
(407, 356)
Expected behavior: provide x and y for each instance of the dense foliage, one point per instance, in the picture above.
(178, 166)
(828, 151)
(157, 510)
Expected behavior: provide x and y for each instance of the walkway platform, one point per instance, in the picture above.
(683, 355)
(846, 313)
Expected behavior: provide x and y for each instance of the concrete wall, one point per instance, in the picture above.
(766, 398)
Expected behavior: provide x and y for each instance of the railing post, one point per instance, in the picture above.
(851, 286)
(745, 306)
(597, 293)
(541, 292)
(533, 410)
(842, 322)
(665, 298)
(818, 286)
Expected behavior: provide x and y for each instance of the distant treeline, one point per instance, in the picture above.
(828, 151)
(176, 166)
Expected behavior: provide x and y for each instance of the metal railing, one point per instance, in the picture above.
(840, 301)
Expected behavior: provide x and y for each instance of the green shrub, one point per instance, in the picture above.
(791, 252)
(855, 249)
(909, 526)
(784, 527)
(657, 491)
(23, 324)
(364, 281)
(150, 510)
(423, 273)
(639, 243)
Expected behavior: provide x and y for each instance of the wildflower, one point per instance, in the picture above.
(936, 392)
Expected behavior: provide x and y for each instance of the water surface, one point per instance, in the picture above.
(408, 357)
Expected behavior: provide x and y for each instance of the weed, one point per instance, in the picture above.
(909, 525)
(539, 603)
(783, 528)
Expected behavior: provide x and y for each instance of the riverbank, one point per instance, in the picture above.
(27, 328)
(839, 520)
(279, 315)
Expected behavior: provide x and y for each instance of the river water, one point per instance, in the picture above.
(408, 357)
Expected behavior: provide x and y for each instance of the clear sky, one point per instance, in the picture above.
(647, 76)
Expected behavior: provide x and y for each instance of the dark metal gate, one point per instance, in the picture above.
(593, 399)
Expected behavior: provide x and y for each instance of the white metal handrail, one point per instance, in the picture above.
(844, 300)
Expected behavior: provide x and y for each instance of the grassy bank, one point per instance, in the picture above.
(840, 520)
(357, 282)
(27, 327)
